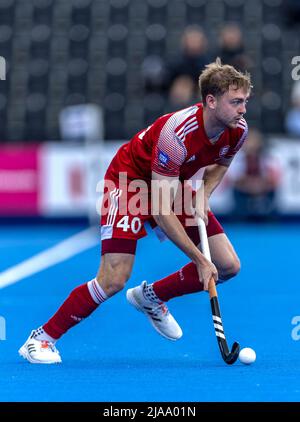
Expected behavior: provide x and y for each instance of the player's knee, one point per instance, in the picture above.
(114, 278)
(230, 269)
(117, 282)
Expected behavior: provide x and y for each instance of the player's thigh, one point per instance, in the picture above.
(213, 228)
(223, 255)
(121, 218)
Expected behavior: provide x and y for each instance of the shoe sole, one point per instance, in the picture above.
(23, 352)
(132, 300)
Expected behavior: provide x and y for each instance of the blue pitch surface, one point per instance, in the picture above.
(115, 355)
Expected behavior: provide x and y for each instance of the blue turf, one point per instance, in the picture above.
(116, 356)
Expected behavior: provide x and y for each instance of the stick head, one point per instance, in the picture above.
(231, 357)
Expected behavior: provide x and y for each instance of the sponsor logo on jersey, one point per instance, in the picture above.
(163, 158)
(223, 151)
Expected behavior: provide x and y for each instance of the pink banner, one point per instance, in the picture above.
(19, 183)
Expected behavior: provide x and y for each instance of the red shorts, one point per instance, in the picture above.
(123, 220)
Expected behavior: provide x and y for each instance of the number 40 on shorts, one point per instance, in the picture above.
(125, 225)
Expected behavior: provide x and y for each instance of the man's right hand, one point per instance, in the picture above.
(206, 270)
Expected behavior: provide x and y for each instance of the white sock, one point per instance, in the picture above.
(40, 334)
(97, 293)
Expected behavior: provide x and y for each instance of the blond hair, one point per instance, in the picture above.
(216, 79)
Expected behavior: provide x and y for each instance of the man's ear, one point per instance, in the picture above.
(211, 101)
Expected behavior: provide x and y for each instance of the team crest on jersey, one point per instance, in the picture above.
(223, 151)
(163, 158)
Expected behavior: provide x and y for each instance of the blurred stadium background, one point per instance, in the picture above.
(82, 77)
(95, 72)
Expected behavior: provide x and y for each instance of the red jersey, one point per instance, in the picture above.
(176, 145)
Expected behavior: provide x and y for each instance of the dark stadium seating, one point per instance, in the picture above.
(62, 52)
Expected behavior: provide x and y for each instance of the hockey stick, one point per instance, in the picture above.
(228, 356)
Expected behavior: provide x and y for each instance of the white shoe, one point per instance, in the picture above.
(39, 351)
(158, 313)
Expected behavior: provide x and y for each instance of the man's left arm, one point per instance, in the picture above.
(212, 177)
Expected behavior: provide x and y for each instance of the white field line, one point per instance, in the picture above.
(52, 256)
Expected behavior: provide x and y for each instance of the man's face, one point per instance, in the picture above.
(231, 107)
